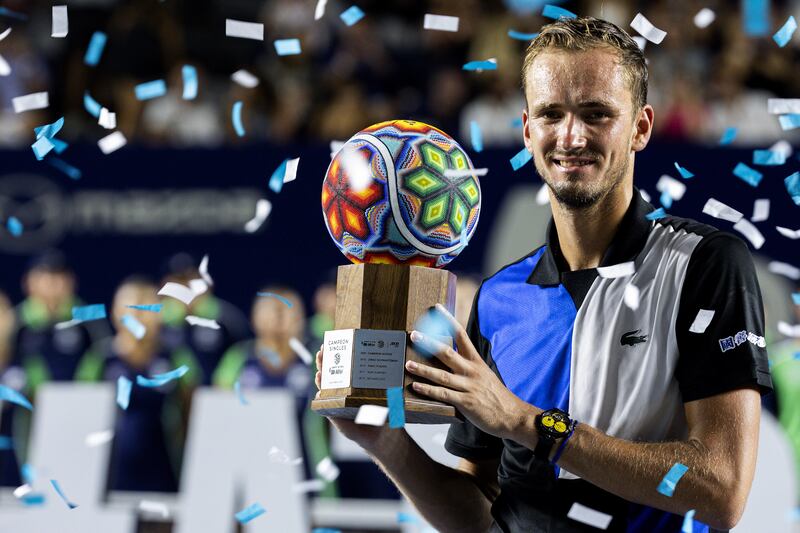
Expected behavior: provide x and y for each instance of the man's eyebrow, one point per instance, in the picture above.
(541, 108)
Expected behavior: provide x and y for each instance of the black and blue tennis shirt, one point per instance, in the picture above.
(569, 339)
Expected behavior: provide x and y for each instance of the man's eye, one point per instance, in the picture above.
(597, 115)
(551, 115)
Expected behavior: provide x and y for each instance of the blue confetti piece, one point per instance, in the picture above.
(95, 50)
(796, 298)
(351, 15)
(249, 513)
(161, 379)
(728, 136)
(236, 118)
(28, 473)
(521, 159)
(433, 325)
(397, 412)
(136, 328)
(688, 522)
(749, 175)
(768, 157)
(666, 200)
(49, 130)
(57, 487)
(755, 16)
(406, 518)
(58, 145)
(10, 395)
(793, 187)
(287, 47)
(124, 387)
(65, 167)
(154, 308)
(518, 35)
(237, 388)
(476, 137)
(6, 443)
(325, 530)
(13, 14)
(42, 147)
(33, 499)
(278, 296)
(655, 215)
(150, 89)
(89, 312)
(685, 174)
(272, 358)
(480, 65)
(516, 123)
(14, 226)
(555, 12)
(784, 35)
(276, 180)
(91, 105)
(667, 485)
(789, 121)
(189, 75)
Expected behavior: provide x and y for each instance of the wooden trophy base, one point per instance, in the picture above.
(387, 297)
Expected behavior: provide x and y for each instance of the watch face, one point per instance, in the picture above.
(554, 423)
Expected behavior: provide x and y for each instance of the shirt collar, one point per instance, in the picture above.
(629, 240)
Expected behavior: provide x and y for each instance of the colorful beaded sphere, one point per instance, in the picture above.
(410, 209)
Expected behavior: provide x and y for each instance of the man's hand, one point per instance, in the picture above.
(471, 386)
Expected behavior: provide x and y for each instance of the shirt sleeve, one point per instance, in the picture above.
(464, 439)
(730, 352)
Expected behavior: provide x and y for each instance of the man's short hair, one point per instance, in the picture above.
(585, 33)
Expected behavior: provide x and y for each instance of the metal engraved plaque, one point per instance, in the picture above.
(378, 358)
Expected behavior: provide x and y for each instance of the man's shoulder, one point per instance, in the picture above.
(712, 242)
(527, 261)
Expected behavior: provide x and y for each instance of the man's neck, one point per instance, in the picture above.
(585, 234)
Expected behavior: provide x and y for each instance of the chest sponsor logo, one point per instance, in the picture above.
(632, 338)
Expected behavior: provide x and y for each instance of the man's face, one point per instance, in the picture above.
(579, 125)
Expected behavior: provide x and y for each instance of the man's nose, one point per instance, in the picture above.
(572, 134)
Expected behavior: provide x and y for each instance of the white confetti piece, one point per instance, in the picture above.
(30, 102)
(782, 148)
(647, 30)
(542, 196)
(746, 228)
(179, 292)
(98, 438)
(453, 173)
(245, 79)
(357, 169)
(198, 286)
(60, 26)
(784, 269)
(440, 22)
(245, 30)
(783, 106)
(312, 485)
(5, 68)
(641, 42)
(644, 195)
(617, 271)
(203, 269)
(149, 506)
(335, 147)
(68, 324)
(107, 119)
(586, 515)
(202, 322)
(300, 350)
(112, 142)
(22, 490)
(786, 232)
(276, 455)
(704, 18)
(263, 209)
(291, 170)
(701, 321)
(319, 11)
(674, 188)
(717, 209)
(5, 34)
(372, 415)
(328, 470)
(631, 296)
(760, 210)
(784, 328)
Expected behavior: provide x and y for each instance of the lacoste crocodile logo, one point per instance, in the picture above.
(631, 338)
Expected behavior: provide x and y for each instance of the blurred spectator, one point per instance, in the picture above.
(10, 376)
(205, 345)
(324, 314)
(466, 288)
(45, 351)
(151, 428)
(269, 361)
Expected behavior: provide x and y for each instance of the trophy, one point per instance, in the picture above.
(400, 200)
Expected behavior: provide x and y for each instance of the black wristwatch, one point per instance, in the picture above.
(552, 426)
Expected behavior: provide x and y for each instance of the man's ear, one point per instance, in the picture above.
(526, 135)
(643, 128)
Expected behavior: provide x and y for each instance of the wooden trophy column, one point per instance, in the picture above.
(386, 297)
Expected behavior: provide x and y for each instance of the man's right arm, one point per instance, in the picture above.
(449, 499)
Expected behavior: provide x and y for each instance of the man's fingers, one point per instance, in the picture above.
(460, 334)
(438, 376)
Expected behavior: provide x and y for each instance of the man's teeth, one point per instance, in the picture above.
(570, 164)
